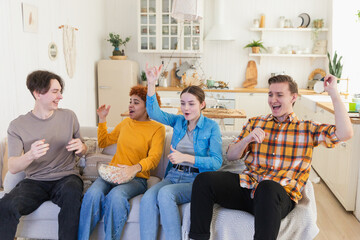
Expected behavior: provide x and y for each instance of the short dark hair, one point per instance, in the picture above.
(293, 87)
(141, 91)
(196, 91)
(40, 81)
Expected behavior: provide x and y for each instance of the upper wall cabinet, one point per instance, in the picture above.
(159, 32)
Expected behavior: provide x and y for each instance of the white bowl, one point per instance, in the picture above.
(108, 173)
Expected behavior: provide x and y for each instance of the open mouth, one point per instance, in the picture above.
(186, 114)
(131, 111)
(276, 107)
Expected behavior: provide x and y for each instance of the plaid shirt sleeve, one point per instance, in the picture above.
(324, 133)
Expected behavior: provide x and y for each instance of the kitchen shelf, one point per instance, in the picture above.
(288, 29)
(312, 56)
(286, 55)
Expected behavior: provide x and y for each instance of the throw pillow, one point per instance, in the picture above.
(92, 145)
(236, 166)
(90, 171)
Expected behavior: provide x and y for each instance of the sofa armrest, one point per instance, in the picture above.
(11, 180)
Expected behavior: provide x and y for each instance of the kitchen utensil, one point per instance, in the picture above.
(250, 75)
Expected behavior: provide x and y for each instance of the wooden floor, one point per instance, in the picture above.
(332, 219)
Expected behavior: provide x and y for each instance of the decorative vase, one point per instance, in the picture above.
(117, 52)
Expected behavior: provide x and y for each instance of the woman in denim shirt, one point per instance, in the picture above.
(195, 148)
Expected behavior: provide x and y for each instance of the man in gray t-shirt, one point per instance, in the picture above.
(49, 138)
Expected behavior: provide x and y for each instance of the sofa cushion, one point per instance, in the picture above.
(92, 145)
(110, 150)
(90, 171)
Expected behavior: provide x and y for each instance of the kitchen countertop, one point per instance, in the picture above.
(238, 90)
(328, 106)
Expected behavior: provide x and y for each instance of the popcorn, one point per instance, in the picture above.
(109, 173)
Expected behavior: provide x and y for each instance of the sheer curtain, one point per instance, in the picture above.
(8, 98)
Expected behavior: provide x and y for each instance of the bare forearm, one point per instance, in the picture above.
(344, 130)
(236, 150)
(151, 90)
(19, 164)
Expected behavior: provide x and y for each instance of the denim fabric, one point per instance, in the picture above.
(207, 137)
(163, 199)
(110, 201)
(29, 194)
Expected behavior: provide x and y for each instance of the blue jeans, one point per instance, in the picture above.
(111, 202)
(163, 199)
(29, 194)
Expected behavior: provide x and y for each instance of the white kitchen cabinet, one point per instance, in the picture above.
(159, 32)
(339, 166)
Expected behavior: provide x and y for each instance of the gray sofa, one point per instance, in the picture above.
(227, 224)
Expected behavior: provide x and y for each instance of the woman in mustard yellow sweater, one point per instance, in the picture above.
(140, 143)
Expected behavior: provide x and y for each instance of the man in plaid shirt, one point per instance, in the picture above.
(279, 148)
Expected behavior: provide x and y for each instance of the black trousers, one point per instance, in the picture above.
(28, 195)
(271, 203)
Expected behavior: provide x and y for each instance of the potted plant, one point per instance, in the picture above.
(317, 25)
(335, 66)
(143, 78)
(117, 42)
(255, 46)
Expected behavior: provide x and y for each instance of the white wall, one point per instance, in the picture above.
(346, 39)
(22, 52)
(227, 61)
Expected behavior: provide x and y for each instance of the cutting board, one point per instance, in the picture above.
(250, 75)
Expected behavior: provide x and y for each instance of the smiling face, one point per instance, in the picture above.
(137, 108)
(281, 100)
(191, 106)
(49, 101)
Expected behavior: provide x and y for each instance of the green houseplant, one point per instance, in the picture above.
(117, 42)
(317, 25)
(335, 66)
(255, 46)
(143, 78)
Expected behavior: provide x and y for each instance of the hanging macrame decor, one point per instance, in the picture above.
(69, 41)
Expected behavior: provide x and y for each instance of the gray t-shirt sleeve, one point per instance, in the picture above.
(15, 144)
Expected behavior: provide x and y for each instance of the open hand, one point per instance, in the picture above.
(102, 112)
(152, 74)
(76, 145)
(38, 149)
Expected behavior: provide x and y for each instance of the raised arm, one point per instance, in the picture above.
(344, 130)
(152, 74)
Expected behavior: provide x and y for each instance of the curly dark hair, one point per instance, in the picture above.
(141, 91)
(40, 81)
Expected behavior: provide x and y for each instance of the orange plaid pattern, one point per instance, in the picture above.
(285, 154)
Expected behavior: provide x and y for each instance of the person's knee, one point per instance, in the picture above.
(267, 190)
(8, 207)
(166, 195)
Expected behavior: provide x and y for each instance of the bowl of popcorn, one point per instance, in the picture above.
(108, 173)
